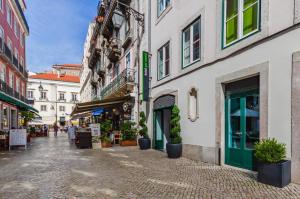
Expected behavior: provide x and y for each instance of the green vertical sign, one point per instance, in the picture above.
(145, 76)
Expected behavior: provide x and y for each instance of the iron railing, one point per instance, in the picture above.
(5, 88)
(125, 77)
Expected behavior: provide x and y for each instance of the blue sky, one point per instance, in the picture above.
(57, 31)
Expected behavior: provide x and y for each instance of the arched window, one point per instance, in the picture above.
(193, 105)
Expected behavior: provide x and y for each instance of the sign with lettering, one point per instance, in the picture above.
(145, 96)
(18, 137)
(95, 129)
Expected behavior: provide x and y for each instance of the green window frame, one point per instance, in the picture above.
(241, 18)
(191, 43)
(163, 61)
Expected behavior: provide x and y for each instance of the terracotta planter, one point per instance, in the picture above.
(106, 144)
(128, 143)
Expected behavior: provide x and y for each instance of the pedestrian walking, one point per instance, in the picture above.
(55, 128)
(71, 133)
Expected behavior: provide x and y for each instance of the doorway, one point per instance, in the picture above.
(241, 122)
(162, 120)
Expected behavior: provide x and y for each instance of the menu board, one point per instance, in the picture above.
(95, 129)
(18, 137)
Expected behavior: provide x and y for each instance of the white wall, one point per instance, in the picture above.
(53, 88)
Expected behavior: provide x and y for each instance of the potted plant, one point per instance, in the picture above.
(128, 134)
(96, 142)
(105, 127)
(273, 169)
(144, 141)
(174, 147)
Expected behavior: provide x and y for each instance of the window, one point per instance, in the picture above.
(11, 79)
(17, 84)
(74, 97)
(24, 89)
(163, 56)
(1, 5)
(30, 94)
(5, 123)
(191, 41)
(9, 45)
(43, 108)
(162, 5)
(22, 39)
(61, 96)
(16, 53)
(43, 95)
(1, 37)
(116, 70)
(127, 60)
(2, 72)
(15, 27)
(241, 18)
(62, 109)
(22, 61)
(9, 15)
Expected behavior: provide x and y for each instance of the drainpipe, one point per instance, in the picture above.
(138, 64)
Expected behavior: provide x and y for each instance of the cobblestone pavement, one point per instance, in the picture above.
(52, 168)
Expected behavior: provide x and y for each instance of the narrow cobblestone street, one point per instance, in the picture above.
(52, 168)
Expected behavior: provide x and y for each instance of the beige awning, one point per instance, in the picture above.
(106, 103)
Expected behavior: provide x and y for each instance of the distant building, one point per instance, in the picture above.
(85, 73)
(54, 95)
(67, 69)
(13, 74)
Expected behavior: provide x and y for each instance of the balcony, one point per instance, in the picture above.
(7, 52)
(120, 86)
(114, 51)
(16, 62)
(100, 69)
(128, 39)
(94, 79)
(11, 58)
(17, 95)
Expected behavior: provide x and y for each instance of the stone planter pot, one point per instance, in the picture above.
(106, 144)
(96, 145)
(128, 143)
(174, 150)
(277, 174)
(144, 143)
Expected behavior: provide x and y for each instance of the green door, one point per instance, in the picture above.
(158, 130)
(242, 128)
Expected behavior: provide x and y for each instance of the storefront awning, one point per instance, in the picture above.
(16, 102)
(97, 104)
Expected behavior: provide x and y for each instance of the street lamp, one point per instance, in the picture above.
(41, 87)
(117, 19)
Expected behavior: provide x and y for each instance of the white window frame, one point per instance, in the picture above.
(15, 27)
(164, 6)
(240, 21)
(128, 57)
(11, 79)
(30, 94)
(43, 95)
(190, 28)
(17, 84)
(44, 108)
(16, 54)
(2, 36)
(2, 71)
(163, 49)
(62, 108)
(22, 38)
(1, 6)
(62, 94)
(74, 97)
(9, 14)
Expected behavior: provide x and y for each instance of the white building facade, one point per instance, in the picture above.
(53, 96)
(86, 94)
(232, 67)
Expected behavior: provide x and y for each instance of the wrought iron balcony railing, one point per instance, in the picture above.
(124, 78)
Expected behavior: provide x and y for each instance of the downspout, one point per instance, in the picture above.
(150, 55)
(138, 65)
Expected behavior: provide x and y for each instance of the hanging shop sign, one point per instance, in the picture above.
(145, 69)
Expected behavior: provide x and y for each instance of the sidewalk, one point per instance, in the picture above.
(51, 168)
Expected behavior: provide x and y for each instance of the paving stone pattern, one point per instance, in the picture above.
(52, 168)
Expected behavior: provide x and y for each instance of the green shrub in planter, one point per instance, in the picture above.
(273, 169)
(270, 151)
(128, 131)
(144, 142)
(105, 127)
(174, 147)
